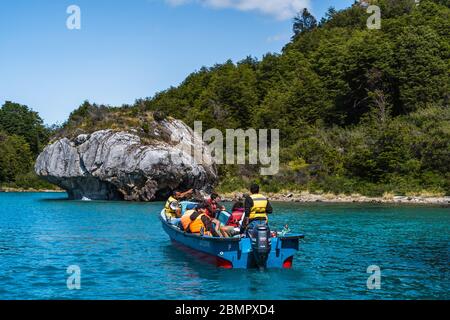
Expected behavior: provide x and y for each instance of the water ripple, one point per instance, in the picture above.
(124, 254)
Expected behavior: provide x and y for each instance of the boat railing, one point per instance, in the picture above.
(291, 236)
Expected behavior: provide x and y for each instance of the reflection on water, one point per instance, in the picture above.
(124, 254)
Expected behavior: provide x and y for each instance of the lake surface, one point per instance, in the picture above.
(123, 253)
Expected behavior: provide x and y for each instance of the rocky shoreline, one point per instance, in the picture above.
(306, 197)
(17, 190)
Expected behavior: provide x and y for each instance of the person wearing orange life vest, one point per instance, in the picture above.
(193, 221)
(256, 209)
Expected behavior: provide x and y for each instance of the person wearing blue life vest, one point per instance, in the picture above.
(256, 209)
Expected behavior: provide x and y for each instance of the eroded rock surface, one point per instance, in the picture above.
(116, 165)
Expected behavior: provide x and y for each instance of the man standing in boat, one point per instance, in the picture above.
(257, 207)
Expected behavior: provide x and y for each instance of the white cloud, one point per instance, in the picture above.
(278, 38)
(177, 2)
(280, 9)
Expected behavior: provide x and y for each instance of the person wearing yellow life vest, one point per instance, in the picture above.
(172, 207)
(256, 209)
(193, 221)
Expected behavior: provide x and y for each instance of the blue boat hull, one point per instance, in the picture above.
(232, 252)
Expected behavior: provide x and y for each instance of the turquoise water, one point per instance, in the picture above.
(124, 254)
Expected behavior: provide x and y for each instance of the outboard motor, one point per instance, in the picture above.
(261, 244)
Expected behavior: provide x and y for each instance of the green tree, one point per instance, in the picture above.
(15, 157)
(17, 119)
(423, 64)
(303, 22)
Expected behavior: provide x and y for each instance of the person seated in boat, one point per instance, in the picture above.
(230, 222)
(237, 214)
(214, 212)
(213, 205)
(198, 220)
(222, 219)
(256, 209)
(173, 207)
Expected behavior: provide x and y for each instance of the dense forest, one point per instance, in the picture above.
(359, 110)
(22, 137)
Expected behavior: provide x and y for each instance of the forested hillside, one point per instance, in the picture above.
(359, 110)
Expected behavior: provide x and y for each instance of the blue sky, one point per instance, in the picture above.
(129, 49)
